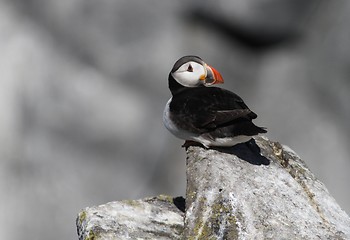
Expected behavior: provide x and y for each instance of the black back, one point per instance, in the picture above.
(211, 110)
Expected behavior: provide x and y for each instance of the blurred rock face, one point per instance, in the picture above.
(84, 84)
(261, 23)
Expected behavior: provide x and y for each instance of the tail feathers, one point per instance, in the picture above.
(246, 128)
(262, 129)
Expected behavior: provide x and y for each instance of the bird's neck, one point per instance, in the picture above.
(176, 87)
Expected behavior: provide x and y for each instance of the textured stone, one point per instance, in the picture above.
(239, 194)
(149, 218)
(255, 190)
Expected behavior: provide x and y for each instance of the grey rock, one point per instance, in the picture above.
(253, 196)
(256, 190)
(149, 218)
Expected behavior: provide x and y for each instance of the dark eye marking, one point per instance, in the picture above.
(190, 68)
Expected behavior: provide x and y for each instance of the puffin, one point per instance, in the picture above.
(199, 112)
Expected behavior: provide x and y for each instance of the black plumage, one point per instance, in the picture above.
(215, 111)
(210, 112)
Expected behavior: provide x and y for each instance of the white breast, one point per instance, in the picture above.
(171, 126)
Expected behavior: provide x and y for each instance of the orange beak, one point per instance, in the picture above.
(213, 76)
(217, 76)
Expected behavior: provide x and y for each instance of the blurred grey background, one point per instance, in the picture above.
(84, 83)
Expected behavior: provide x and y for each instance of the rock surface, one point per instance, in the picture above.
(150, 218)
(256, 190)
(240, 194)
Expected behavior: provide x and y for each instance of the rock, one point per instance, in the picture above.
(239, 194)
(256, 190)
(149, 218)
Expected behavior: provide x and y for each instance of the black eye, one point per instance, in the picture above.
(190, 68)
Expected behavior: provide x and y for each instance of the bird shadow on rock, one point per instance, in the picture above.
(248, 151)
(180, 203)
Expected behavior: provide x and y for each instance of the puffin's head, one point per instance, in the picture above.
(192, 71)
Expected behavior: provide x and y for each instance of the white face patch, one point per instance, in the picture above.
(189, 74)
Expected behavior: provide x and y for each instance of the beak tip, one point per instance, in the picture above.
(217, 76)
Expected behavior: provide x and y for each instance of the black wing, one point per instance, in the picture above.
(205, 109)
